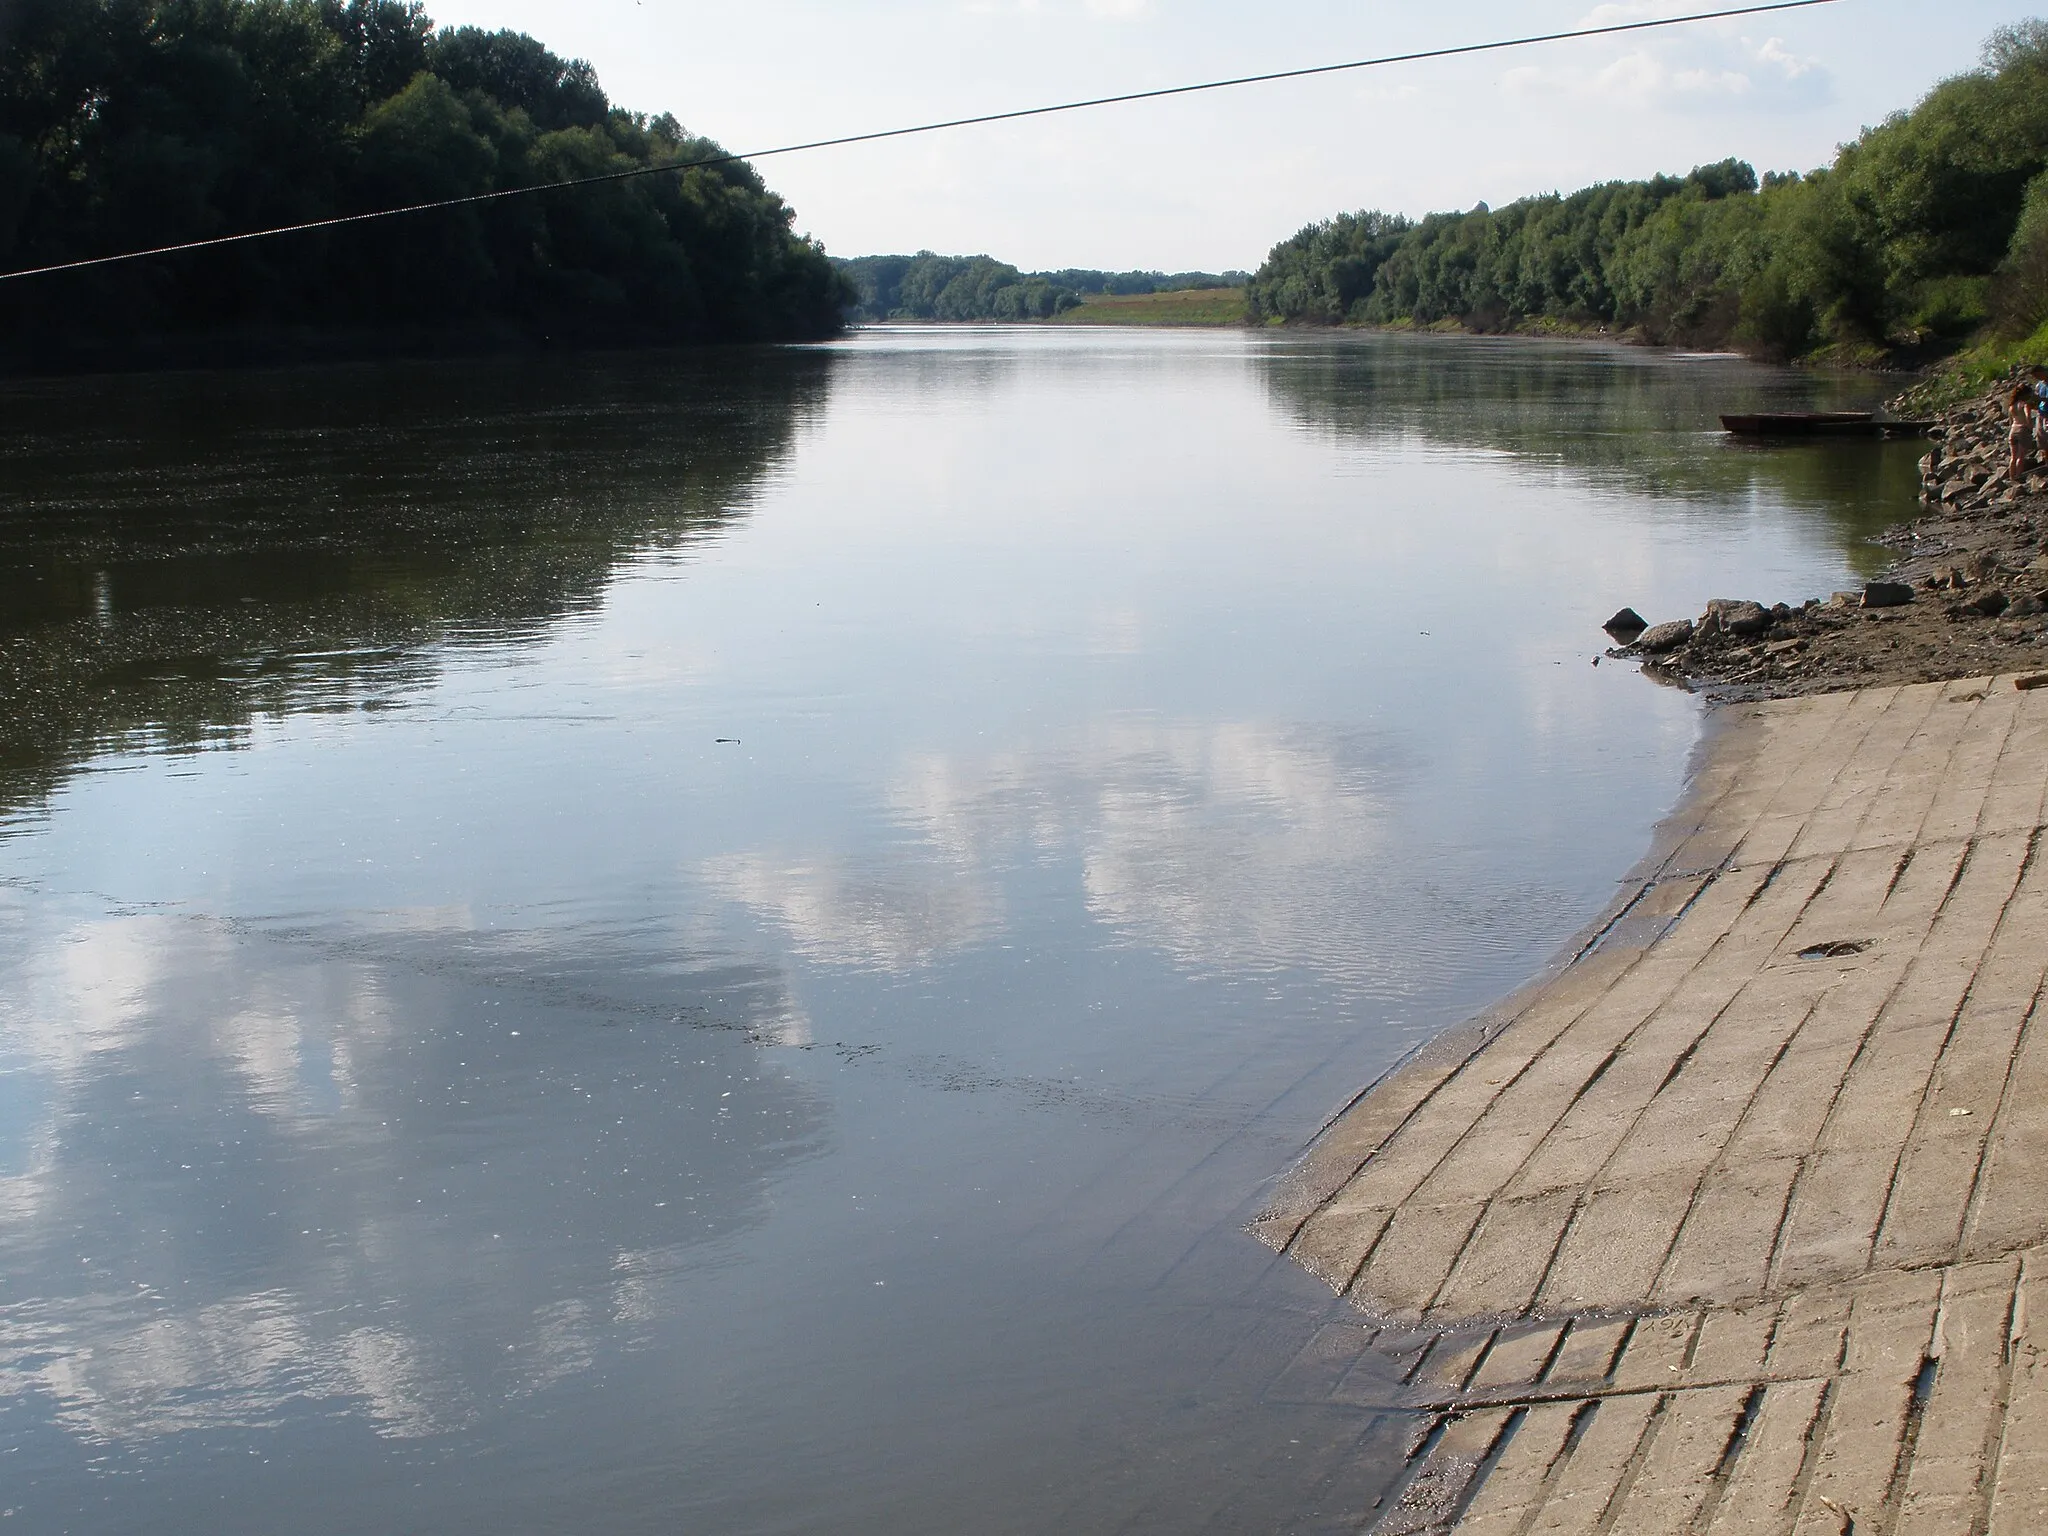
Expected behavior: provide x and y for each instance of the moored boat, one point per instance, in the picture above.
(1821, 424)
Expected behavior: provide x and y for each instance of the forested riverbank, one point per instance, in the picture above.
(126, 126)
(1926, 231)
(928, 286)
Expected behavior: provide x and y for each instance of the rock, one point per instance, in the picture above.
(1660, 638)
(1886, 594)
(1991, 602)
(2025, 606)
(1626, 625)
(1781, 612)
(1742, 618)
(1987, 604)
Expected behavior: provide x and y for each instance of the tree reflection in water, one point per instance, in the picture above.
(223, 547)
(1626, 421)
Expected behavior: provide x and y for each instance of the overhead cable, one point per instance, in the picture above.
(673, 166)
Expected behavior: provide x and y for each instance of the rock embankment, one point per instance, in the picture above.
(1968, 597)
(1967, 469)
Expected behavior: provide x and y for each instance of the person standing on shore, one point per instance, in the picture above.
(2022, 421)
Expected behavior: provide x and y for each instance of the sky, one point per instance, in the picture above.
(1211, 182)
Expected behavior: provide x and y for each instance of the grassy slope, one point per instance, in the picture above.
(1973, 370)
(1195, 306)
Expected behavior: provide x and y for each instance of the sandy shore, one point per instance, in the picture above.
(1738, 1220)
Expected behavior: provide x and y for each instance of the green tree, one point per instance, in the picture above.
(1912, 236)
(955, 288)
(517, 72)
(132, 124)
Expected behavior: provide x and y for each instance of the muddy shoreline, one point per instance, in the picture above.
(1967, 596)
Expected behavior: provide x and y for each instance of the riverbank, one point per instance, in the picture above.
(1968, 596)
(1736, 1222)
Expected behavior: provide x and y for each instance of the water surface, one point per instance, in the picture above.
(725, 942)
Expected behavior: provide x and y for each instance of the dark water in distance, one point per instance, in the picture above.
(724, 943)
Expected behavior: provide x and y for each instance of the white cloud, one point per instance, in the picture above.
(1111, 10)
(1774, 54)
(1701, 69)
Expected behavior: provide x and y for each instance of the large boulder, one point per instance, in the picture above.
(1739, 616)
(1660, 638)
(1626, 625)
(1886, 594)
(1989, 603)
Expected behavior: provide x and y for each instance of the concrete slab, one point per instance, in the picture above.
(1735, 1221)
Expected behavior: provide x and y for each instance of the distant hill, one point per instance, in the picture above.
(980, 288)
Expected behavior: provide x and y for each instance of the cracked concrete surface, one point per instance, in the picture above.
(1737, 1222)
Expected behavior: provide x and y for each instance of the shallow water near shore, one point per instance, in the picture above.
(726, 942)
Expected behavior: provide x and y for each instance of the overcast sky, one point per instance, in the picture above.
(1212, 181)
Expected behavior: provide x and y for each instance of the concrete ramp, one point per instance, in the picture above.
(1737, 1221)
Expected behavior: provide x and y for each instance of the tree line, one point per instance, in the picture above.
(980, 288)
(1925, 230)
(931, 287)
(132, 124)
(1126, 284)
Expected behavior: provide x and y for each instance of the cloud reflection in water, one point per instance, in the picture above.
(260, 1178)
(1234, 845)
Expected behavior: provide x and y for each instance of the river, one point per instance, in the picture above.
(725, 942)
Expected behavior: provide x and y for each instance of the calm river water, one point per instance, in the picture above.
(725, 943)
